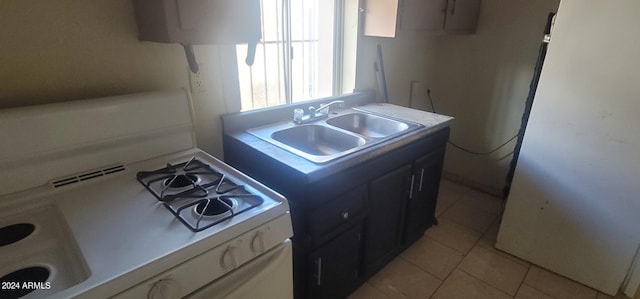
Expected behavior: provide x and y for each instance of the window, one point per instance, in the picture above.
(320, 36)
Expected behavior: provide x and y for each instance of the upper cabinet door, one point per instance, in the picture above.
(462, 16)
(380, 18)
(449, 16)
(423, 15)
(199, 21)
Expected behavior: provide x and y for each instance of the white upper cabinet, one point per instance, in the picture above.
(380, 17)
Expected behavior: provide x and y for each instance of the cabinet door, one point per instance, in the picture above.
(380, 18)
(333, 268)
(198, 21)
(385, 222)
(423, 196)
(423, 15)
(220, 21)
(462, 16)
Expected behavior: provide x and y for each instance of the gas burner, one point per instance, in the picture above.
(181, 181)
(208, 194)
(191, 178)
(215, 207)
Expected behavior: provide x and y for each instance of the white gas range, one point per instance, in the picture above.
(110, 197)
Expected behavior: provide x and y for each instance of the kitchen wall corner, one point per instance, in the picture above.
(482, 80)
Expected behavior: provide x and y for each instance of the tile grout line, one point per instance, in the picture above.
(445, 245)
(522, 282)
(486, 283)
(569, 279)
(424, 235)
(497, 215)
(496, 287)
(480, 279)
(464, 255)
(537, 289)
(447, 208)
(376, 288)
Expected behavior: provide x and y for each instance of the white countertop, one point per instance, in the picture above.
(427, 119)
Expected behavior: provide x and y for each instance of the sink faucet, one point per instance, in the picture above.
(314, 113)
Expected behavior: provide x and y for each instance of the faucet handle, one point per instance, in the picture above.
(297, 115)
(324, 108)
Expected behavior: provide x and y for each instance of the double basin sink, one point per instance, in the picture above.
(336, 135)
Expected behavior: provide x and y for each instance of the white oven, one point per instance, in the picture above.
(232, 270)
(110, 198)
(258, 279)
(265, 276)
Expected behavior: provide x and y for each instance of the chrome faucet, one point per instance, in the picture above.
(314, 113)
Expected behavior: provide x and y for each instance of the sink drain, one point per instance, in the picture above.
(14, 233)
(22, 282)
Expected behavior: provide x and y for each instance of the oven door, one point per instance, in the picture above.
(269, 276)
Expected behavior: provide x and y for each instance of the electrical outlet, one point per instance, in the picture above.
(197, 81)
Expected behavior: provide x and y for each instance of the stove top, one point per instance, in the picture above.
(119, 229)
(197, 194)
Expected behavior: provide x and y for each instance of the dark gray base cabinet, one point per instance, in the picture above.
(385, 218)
(333, 267)
(421, 206)
(349, 225)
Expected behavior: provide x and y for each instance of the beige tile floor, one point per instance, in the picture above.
(456, 259)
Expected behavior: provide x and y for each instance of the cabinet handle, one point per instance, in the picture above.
(421, 179)
(319, 273)
(345, 215)
(411, 188)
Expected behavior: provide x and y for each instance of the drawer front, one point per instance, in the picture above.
(344, 209)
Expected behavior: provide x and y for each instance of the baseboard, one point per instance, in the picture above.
(456, 178)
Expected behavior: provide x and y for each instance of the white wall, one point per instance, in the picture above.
(71, 49)
(574, 204)
(481, 79)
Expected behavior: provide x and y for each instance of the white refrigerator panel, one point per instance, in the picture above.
(574, 206)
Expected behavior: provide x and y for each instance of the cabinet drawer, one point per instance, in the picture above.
(342, 210)
(333, 268)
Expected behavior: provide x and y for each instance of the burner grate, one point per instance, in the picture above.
(182, 188)
(162, 182)
(201, 222)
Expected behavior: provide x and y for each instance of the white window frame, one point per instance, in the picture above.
(345, 34)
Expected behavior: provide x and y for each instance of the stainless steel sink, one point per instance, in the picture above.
(343, 133)
(318, 140)
(368, 124)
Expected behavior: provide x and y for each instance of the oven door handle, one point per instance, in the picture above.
(270, 275)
